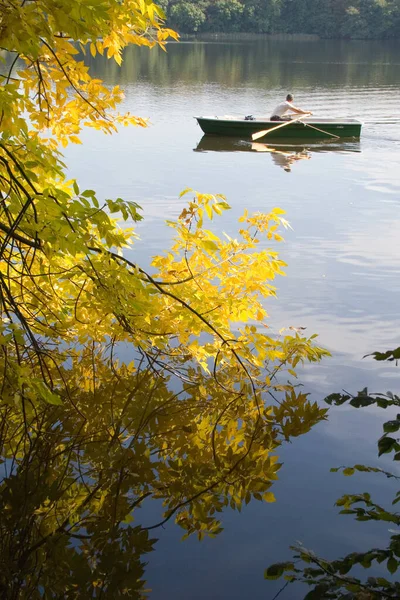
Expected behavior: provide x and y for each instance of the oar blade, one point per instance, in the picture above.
(259, 134)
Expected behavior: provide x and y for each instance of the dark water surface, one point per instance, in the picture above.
(342, 282)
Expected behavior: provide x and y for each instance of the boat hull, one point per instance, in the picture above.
(240, 127)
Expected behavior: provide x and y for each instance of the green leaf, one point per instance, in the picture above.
(276, 571)
(362, 401)
(392, 565)
(391, 426)
(88, 194)
(47, 395)
(386, 445)
(382, 403)
(388, 355)
(348, 471)
(366, 561)
(318, 593)
(337, 399)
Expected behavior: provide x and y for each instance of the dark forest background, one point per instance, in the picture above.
(344, 19)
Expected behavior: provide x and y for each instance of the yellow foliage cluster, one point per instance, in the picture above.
(49, 41)
(118, 384)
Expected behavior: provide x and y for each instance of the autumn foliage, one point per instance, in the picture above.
(120, 385)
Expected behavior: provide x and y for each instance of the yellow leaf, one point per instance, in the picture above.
(269, 497)
(74, 139)
(209, 211)
(185, 191)
(99, 47)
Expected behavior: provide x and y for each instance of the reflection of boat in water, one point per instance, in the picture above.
(283, 155)
(282, 158)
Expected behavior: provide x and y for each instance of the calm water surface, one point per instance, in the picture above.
(343, 254)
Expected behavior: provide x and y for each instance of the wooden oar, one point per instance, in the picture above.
(321, 130)
(260, 134)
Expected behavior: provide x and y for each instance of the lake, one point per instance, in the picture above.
(343, 257)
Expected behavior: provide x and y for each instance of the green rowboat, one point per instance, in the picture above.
(308, 128)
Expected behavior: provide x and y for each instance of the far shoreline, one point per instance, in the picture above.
(294, 37)
(208, 36)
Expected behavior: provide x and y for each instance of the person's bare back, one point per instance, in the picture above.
(282, 108)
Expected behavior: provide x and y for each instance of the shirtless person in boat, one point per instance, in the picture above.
(283, 107)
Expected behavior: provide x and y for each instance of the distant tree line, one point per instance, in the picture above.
(351, 19)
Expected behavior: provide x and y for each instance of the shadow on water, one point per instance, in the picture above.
(283, 155)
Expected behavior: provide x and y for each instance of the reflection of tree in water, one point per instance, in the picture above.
(282, 158)
(76, 474)
(257, 63)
